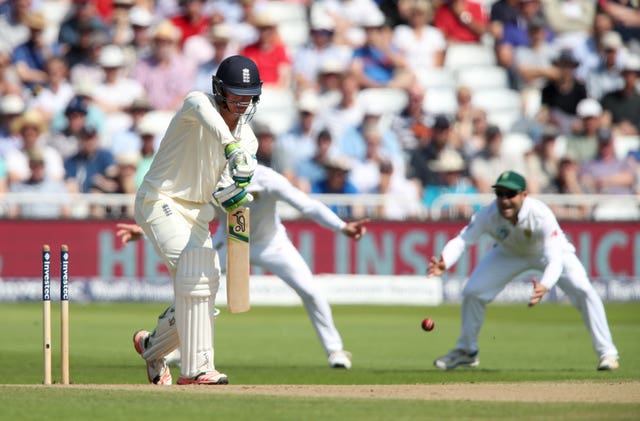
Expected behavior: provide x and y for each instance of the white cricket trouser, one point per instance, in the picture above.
(172, 226)
(498, 268)
(280, 257)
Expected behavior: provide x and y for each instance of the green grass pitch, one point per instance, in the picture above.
(277, 345)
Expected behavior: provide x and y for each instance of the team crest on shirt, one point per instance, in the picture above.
(502, 232)
(527, 233)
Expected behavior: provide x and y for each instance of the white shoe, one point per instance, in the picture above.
(157, 370)
(456, 358)
(340, 359)
(608, 363)
(173, 358)
(211, 377)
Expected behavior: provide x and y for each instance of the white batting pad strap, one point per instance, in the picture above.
(194, 317)
(196, 273)
(164, 338)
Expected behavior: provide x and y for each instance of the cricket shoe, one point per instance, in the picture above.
(340, 359)
(211, 377)
(608, 363)
(157, 370)
(455, 358)
(173, 358)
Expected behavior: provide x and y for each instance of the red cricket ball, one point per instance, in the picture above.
(428, 324)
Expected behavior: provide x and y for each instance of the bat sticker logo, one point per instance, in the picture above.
(238, 229)
(240, 225)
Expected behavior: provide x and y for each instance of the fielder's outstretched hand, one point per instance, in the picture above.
(538, 292)
(436, 266)
(129, 232)
(355, 229)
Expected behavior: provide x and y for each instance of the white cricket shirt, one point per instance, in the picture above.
(190, 160)
(537, 234)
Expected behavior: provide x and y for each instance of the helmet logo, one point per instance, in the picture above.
(246, 77)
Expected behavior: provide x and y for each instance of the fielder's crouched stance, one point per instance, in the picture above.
(527, 236)
(206, 155)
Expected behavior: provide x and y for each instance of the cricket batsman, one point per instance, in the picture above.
(207, 154)
(272, 250)
(527, 237)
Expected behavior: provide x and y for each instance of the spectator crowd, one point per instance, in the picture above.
(87, 88)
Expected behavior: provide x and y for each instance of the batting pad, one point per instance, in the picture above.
(164, 338)
(197, 282)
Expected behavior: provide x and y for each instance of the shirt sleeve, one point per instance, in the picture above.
(468, 236)
(207, 115)
(309, 207)
(552, 248)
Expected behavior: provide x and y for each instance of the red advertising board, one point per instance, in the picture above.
(388, 248)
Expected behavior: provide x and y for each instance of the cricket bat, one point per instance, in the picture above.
(238, 260)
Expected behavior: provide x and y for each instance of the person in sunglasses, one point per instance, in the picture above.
(527, 237)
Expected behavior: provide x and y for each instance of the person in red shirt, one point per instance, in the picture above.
(461, 20)
(269, 53)
(192, 21)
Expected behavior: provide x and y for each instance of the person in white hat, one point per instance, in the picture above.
(140, 20)
(422, 44)
(353, 144)
(56, 92)
(299, 143)
(11, 106)
(450, 168)
(321, 48)
(31, 128)
(270, 53)
(128, 139)
(378, 63)
(165, 75)
(336, 181)
(39, 183)
(117, 91)
(582, 144)
(30, 57)
(607, 76)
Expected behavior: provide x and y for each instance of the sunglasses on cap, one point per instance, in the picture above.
(509, 194)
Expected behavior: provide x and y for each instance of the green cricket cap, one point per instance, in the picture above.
(511, 180)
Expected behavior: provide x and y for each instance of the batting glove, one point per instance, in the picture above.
(232, 197)
(242, 163)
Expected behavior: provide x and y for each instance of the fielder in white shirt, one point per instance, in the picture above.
(207, 154)
(527, 237)
(272, 250)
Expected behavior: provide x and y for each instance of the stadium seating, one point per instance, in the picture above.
(460, 56)
(392, 100)
(625, 144)
(440, 100)
(503, 105)
(482, 77)
(438, 77)
(516, 143)
(277, 109)
(292, 21)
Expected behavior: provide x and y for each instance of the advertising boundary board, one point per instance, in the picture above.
(387, 266)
